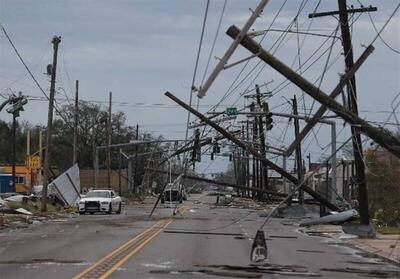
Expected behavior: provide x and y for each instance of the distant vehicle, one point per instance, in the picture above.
(174, 193)
(100, 201)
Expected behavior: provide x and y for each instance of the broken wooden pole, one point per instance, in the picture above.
(380, 135)
(251, 150)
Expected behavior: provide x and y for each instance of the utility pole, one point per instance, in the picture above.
(109, 143)
(119, 171)
(136, 177)
(264, 169)
(352, 101)
(94, 152)
(247, 160)
(40, 156)
(28, 143)
(47, 155)
(256, 167)
(16, 105)
(298, 150)
(74, 152)
(28, 153)
(343, 13)
(14, 153)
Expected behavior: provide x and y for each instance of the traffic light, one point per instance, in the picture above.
(216, 148)
(268, 117)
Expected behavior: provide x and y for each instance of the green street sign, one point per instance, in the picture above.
(231, 111)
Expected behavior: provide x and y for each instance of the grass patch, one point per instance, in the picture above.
(389, 230)
(33, 207)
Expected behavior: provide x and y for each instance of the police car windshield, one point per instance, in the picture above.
(98, 194)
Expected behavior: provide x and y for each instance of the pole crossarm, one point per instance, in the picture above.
(222, 62)
(380, 135)
(251, 150)
(350, 11)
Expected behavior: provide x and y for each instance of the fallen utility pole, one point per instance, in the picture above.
(254, 152)
(380, 135)
(251, 45)
(47, 154)
(210, 181)
(336, 92)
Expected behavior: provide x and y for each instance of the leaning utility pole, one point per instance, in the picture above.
(352, 103)
(224, 60)
(74, 152)
(298, 149)
(253, 151)
(47, 154)
(380, 135)
(109, 143)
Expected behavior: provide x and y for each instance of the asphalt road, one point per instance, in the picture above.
(130, 246)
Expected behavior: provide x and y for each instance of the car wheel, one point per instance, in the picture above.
(91, 213)
(82, 212)
(109, 209)
(119, 209)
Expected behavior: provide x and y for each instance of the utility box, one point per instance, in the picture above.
(6, 185)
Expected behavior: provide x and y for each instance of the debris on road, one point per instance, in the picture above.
(68, 186)
(334, 217)
(203, 232)
(209, 272)
(17, 198)
(23, 211)
(380, 273)
(283, 236)
(289, 270)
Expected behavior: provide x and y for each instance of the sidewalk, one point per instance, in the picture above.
(385, 246)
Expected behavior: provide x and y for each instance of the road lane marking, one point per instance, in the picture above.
(136, 250)
(109, 263)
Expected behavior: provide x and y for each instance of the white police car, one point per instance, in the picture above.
(100, 201)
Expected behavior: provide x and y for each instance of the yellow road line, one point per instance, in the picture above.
(99, 262)
(142, 240)
(136, 250)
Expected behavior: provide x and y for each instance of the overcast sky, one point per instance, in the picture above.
(140, 49)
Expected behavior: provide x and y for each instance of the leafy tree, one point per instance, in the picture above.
(383, 176)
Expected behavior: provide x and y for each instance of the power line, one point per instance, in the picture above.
(30, 72)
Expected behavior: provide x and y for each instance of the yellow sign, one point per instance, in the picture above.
(34, 162)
